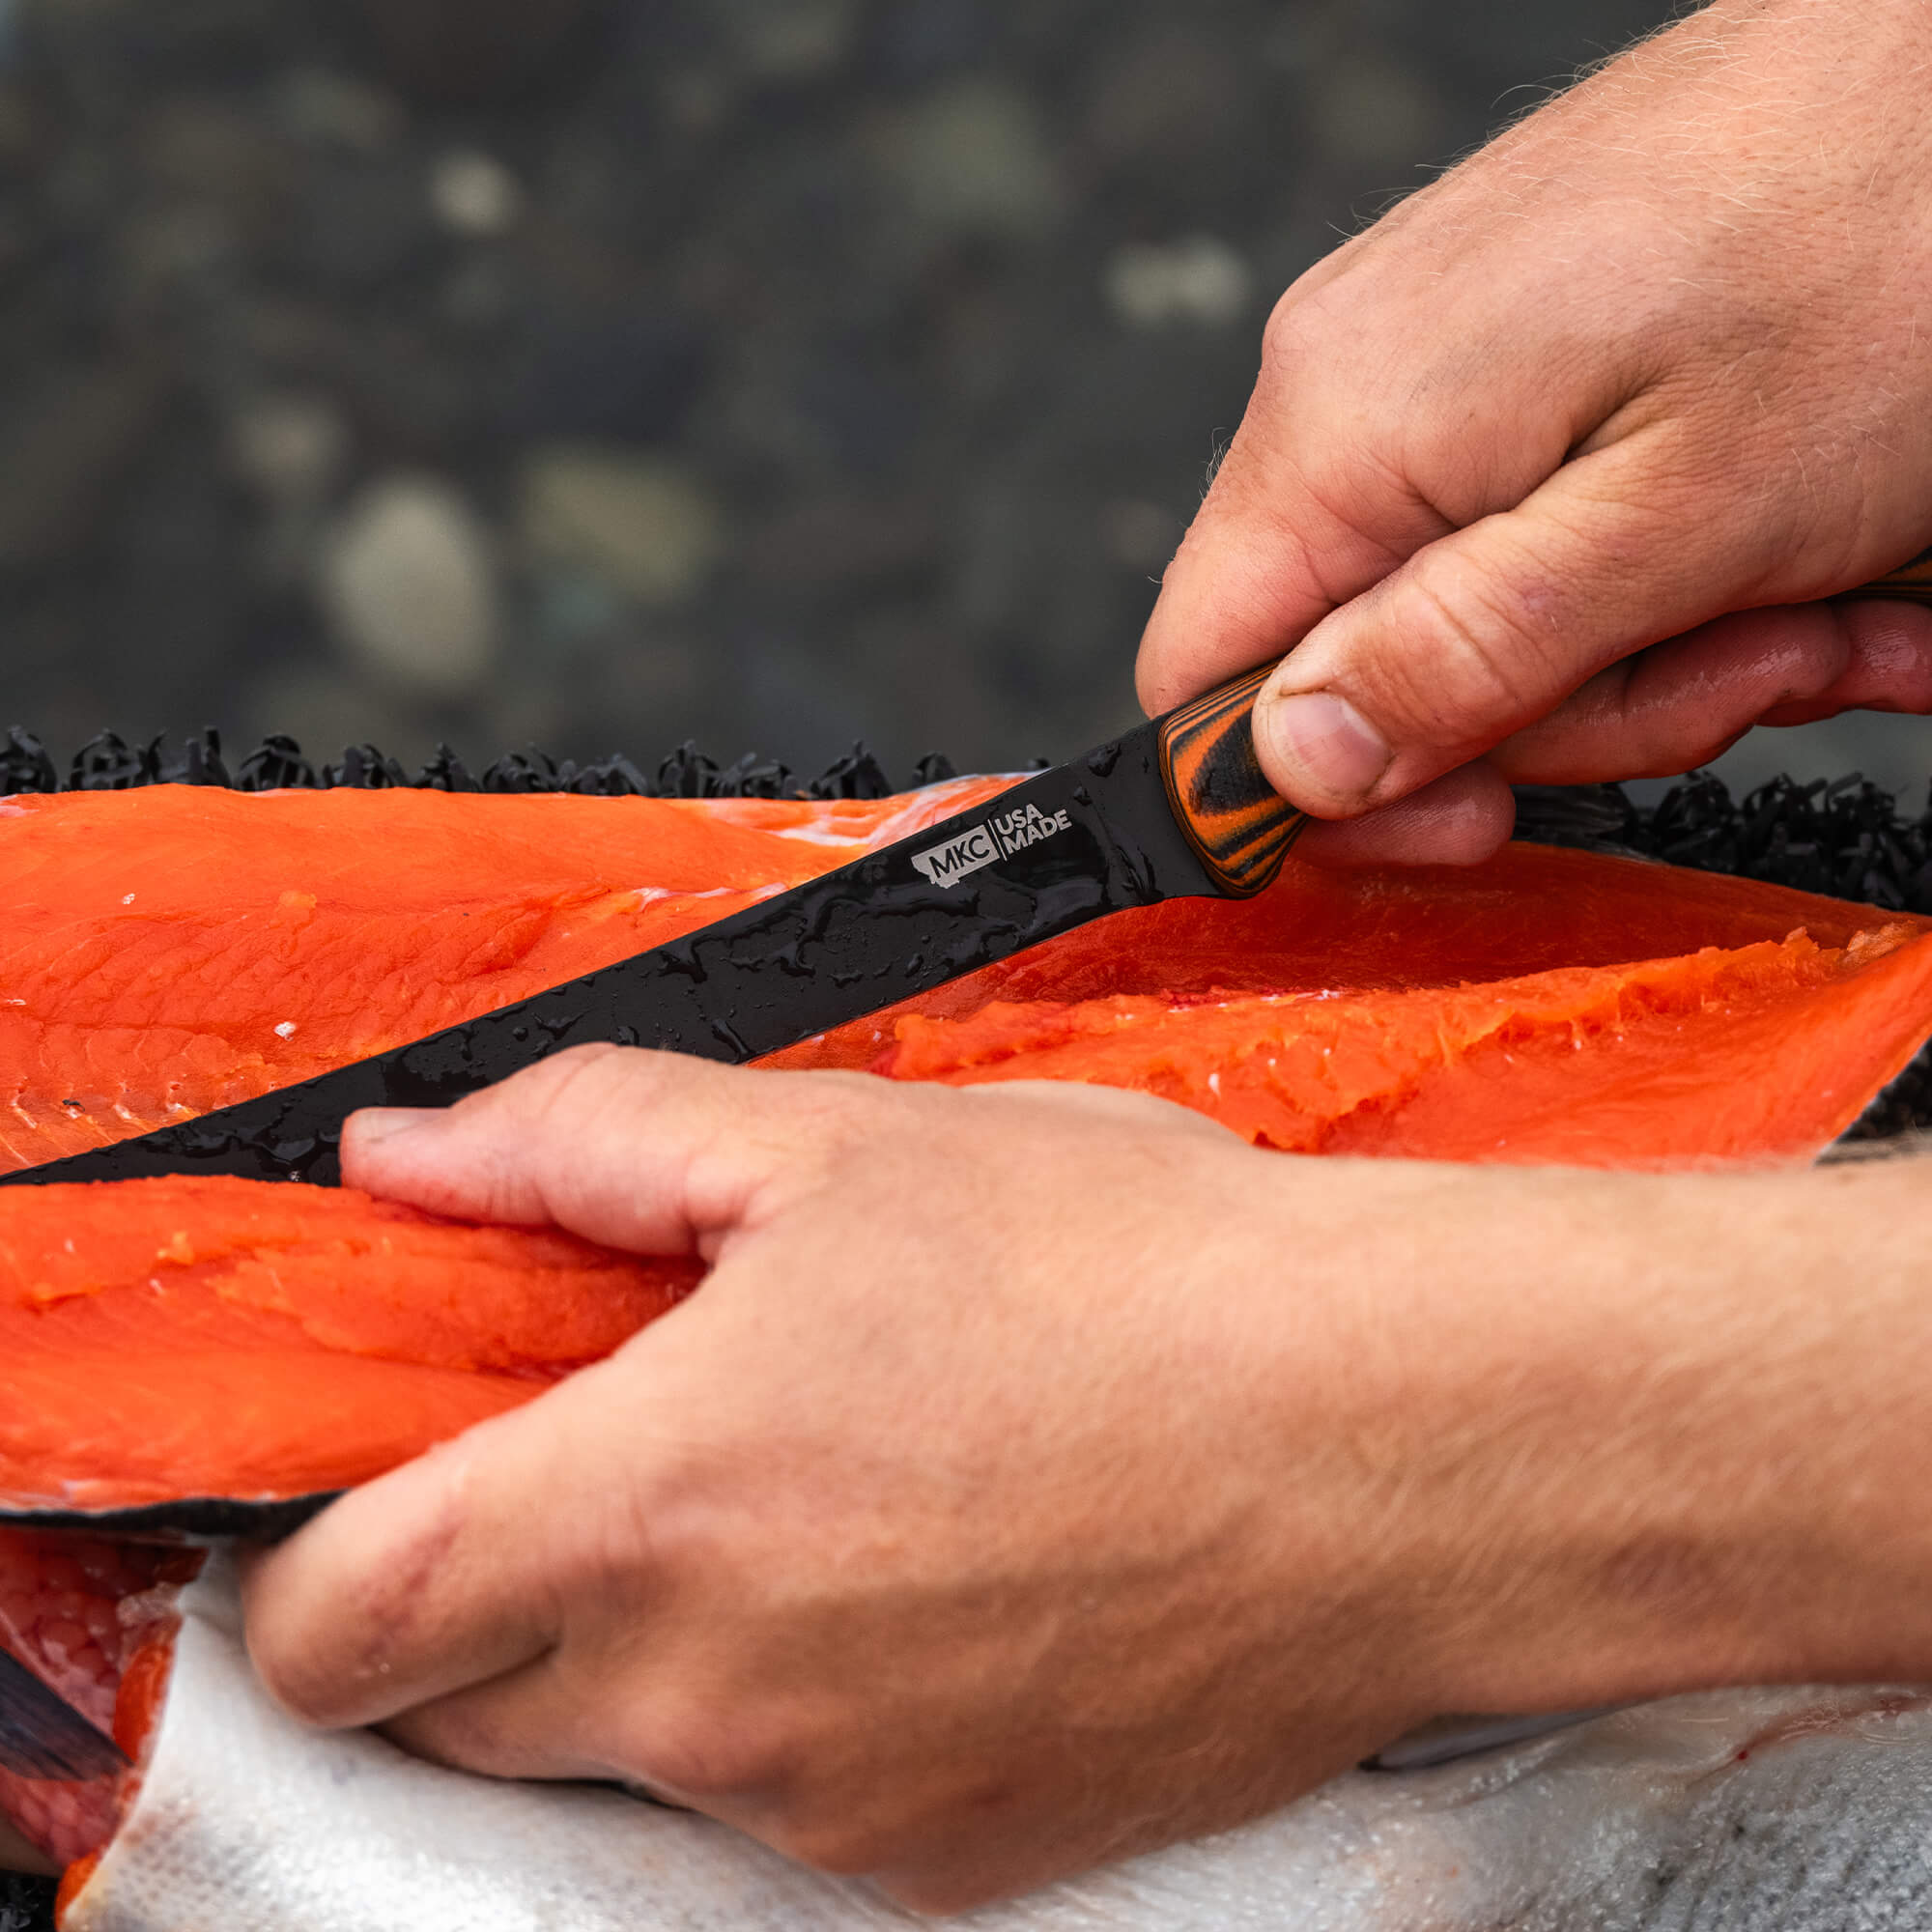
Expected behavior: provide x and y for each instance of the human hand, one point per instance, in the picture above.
(1042, 1474)
(1651, 358)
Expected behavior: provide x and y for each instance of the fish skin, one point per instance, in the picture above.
(1787, 1810)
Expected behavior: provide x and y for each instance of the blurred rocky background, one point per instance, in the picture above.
(604, 373)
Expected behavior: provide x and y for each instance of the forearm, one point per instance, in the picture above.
(965, 1548)
(1680, 1436)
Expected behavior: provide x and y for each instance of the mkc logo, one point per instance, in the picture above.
(999, 837)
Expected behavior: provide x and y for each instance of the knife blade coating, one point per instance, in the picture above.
(1178, 808)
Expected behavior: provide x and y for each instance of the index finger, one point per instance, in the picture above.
(1275, 547)
(656, 1153)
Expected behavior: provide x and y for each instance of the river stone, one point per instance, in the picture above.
(792, 40)
(1197, 279)
(473, 193)
(288, 446)
(643, 524)
(407, 587)
(973, 159)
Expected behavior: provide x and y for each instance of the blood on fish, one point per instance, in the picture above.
(1823, 1718)
(137, 1708)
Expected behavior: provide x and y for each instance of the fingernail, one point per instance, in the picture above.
(1326, 743)
(381, 1123)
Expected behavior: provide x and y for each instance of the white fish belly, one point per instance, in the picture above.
(1740, 1812)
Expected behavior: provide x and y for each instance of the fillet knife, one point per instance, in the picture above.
(1178, 808)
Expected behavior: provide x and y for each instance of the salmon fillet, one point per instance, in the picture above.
(213, 1337)
(1549, 1006)
(178, 948)
(173, 950)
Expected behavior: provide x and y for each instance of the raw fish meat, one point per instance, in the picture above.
(173, 950)
(180, 948)
(211, 1337)
(1549, 1005)
(95, 1619)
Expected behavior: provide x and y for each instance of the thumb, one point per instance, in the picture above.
(1484, 631)
(451, 1571)
(655, 1153)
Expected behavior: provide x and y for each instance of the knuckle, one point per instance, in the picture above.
(600, 1066)
(1470, 661)
(1300, 338)
(305, 1695)
(551, 1075)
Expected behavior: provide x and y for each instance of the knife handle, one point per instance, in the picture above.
(1239, 826)
(1911, 583)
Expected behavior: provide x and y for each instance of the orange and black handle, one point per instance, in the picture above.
(1911, 583)
(1239, 826)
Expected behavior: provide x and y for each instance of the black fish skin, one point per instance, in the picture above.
(41, 1736)
(265, 1521)
(109, 763)
(1844, 838)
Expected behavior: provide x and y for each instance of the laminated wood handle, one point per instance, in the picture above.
(1239, 826)
(1912, 583)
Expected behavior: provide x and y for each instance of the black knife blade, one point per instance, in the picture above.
(1176, 809)
(43, 1736)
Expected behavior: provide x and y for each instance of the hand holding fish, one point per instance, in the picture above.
(1652, 356)
(1042, 1474)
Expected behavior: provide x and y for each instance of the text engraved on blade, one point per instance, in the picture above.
(999, 837)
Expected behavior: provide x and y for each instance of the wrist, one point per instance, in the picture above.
(1707, 1444)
